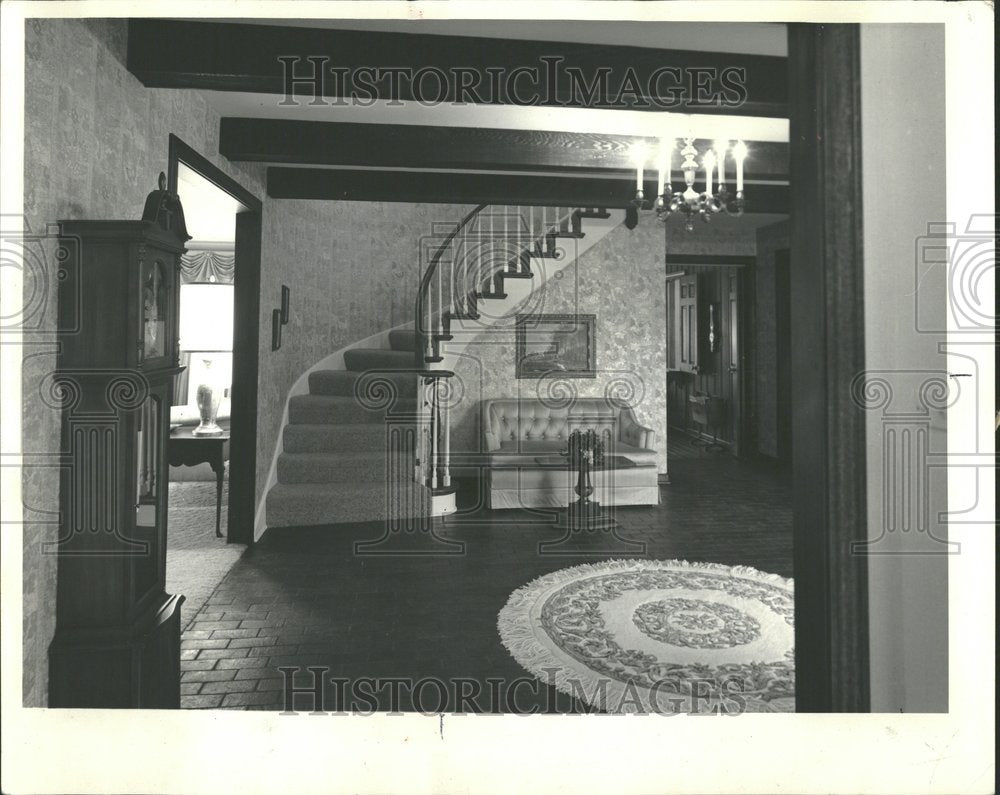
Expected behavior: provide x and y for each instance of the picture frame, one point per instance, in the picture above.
(558, 346)
(286, 297)
(275, 329)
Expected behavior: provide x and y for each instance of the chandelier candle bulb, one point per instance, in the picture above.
(709, 163)
(720, 154)
(663, 166)
(639, 155)
(739, 153)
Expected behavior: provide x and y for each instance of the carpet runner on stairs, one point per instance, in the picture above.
(336, 464)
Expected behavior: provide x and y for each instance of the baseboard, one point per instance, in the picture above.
(702, 437)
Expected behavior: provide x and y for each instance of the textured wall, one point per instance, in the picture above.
(95, 140)
(904, 119)
(722, 236)
(769, 240)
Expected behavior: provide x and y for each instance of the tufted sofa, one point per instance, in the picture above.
(517, 431)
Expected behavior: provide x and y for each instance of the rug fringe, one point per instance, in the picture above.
(613, 564)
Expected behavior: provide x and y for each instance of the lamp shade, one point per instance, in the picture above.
(206, 317)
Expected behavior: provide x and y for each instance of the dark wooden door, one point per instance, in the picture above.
(687, 310)
(783, 355)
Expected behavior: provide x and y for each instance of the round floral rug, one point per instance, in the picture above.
(630, 636)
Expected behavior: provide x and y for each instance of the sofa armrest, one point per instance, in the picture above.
(631, 432)
(491, 439)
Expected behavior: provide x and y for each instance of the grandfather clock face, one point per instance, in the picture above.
(154, 309)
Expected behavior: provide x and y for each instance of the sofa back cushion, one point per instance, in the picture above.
(533, 420)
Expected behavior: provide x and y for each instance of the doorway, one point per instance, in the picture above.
(237, 520)
(707, 348)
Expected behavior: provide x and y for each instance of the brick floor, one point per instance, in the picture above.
(303, 597)
(196, 560)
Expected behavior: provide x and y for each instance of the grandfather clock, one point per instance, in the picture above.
(117, 639)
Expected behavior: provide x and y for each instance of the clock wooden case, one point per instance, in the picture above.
(117, 639)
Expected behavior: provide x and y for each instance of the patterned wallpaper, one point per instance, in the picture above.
(621, 280)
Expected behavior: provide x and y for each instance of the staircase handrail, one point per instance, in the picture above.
(425, 281)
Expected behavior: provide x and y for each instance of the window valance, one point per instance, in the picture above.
(217, 267)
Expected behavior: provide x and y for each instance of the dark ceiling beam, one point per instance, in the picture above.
(228, 56)
(443, 188)
(458, 148)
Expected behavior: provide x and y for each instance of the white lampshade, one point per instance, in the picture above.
(206, 317)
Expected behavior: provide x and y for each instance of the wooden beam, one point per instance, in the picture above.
(828, 351)
(225, 56)
(459, 148)
(465, 188)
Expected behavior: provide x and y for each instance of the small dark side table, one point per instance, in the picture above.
(187, 450)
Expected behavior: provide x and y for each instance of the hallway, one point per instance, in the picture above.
(301, 597)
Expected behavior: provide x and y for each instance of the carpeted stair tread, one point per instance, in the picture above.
(362, 359)
(302, 504)
(345, 382)
(332, 438)
(341, 409)
(342, 467)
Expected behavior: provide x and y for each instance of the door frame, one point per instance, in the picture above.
(827, 288)
(246, 337)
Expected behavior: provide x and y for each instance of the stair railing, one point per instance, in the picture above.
(472, 263)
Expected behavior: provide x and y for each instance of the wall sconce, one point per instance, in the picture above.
(279, 317)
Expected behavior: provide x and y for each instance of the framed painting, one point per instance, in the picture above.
(556, 345)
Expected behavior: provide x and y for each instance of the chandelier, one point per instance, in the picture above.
(690, 202)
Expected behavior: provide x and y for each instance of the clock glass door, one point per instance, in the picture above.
(157, 325)
(149, 497)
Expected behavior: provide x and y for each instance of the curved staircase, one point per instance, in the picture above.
(335, 463)
(371, 442)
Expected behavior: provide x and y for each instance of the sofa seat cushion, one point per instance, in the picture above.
(523, 454)
(526, 450)
(558, 478)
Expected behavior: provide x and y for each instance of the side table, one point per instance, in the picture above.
(186, 450)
